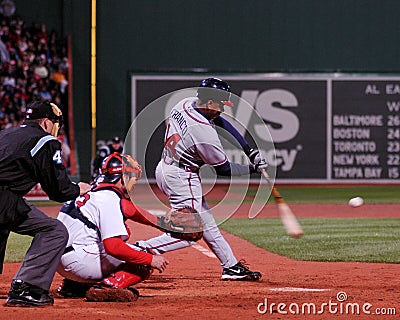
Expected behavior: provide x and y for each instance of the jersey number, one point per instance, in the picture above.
(57, 158)
(170, 145)
(82, 200)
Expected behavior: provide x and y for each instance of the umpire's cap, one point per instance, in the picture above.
(116, 139)
(39, 110)
(215, 89)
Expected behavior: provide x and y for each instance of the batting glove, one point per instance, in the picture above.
(257, 161)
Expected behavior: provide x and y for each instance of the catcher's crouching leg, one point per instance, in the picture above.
(116, 287)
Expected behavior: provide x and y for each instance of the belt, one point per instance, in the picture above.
(68, 249)
(187, 169)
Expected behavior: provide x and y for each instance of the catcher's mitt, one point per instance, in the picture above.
(184, 223)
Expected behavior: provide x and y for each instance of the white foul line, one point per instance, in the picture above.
(203, 250)
(293, 289)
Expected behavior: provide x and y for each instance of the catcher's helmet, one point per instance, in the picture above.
(111, 168)
(215, 89)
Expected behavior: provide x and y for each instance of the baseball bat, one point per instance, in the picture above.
(288, 218)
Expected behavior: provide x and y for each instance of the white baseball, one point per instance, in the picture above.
(356, 202)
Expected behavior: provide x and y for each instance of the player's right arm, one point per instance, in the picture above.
(159, 262)
(117, 248)
(113, 232)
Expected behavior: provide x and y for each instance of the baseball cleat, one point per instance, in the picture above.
(240, 272)
(23, 294)
(104, 293)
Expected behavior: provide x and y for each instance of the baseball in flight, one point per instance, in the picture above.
(356, 202)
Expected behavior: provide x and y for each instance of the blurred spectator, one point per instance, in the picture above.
(33, 65)
(115, 145)
(59, 77)
(40, 68)
(4, 54)
(7, 8)
(44, 93)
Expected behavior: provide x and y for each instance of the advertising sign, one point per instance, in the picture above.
(324, 128)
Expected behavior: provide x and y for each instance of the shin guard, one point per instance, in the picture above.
(128, 275)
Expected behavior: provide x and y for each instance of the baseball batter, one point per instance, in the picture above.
(191, 141)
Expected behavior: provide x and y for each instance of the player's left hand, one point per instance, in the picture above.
(257, 161)
(184, 223)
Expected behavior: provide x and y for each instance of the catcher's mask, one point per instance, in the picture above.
(116, 165)
(132, 172)
(215, 89)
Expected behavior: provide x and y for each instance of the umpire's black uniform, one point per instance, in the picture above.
(29, 155)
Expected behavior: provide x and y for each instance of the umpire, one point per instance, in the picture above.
(31, 154)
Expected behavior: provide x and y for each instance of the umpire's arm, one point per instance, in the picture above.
(51, 173)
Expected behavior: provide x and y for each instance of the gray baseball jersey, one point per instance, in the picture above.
(190, 139)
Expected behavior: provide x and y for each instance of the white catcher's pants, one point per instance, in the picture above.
(89, 263)
(184, 189)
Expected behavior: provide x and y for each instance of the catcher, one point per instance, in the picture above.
(98, 263)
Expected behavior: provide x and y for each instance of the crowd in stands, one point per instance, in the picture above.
(33, 65)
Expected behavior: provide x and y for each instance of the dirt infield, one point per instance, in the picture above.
(191, 287)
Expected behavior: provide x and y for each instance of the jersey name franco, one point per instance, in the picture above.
(190, 139)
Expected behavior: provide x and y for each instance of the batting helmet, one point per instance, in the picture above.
(111, 168)
(215, 89)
